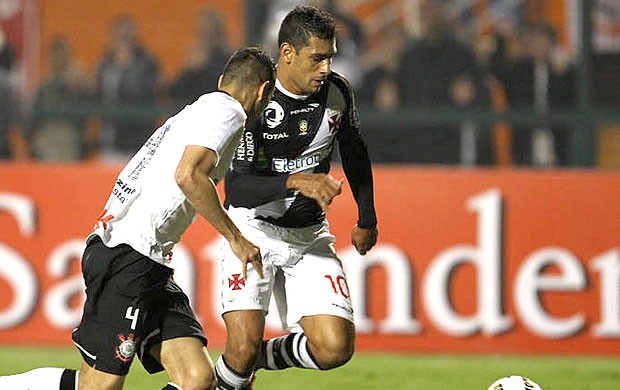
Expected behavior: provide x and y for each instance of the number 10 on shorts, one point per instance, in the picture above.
(339, 284)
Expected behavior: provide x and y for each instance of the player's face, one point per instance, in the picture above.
(311, 65)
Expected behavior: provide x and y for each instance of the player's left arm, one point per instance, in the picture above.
(192, 177)
(358, 170)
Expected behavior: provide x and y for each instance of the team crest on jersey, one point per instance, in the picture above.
(274, 114)
(303, 127)
(127, 348)
(333, 119)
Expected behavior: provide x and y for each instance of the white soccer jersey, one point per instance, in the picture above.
(146, 209)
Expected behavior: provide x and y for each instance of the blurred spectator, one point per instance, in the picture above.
(206, 59)
(276, 11)
(384, 89)
(430, 67)
(127, 77)
(349, 41)
(60, 138)
(438, 70)
(8, 119)
(7, 55)
(257, 15)
(12, 141)
(540, 79)
(381, 59)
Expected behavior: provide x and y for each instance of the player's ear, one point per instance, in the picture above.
(287, 51)
(261, 90)
(219, 81)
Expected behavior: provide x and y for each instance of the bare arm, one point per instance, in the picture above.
(192, 176)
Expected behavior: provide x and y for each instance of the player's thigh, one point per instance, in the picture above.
(184, 358)
(171, 318)
(91, 379)
(251, 293)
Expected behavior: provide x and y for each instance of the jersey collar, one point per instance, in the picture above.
(281, 88)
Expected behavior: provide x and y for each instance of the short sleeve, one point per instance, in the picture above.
(212, 121)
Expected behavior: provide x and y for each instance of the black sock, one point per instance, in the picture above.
(286, 351)
(67, 380)
(171, 386)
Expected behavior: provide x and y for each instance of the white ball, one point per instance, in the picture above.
(514, 382)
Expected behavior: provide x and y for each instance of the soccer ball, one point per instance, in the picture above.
(514, 382)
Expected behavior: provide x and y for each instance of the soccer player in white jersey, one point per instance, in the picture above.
(277, 193)
(133, 306)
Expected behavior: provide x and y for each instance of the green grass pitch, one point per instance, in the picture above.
(376, 371)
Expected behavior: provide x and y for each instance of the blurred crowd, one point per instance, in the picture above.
(438, 62)
(126, 83)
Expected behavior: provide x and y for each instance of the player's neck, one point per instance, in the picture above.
(288, 91)
(240, 94)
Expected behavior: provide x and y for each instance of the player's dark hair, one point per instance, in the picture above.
(304, 22)
(250, 66)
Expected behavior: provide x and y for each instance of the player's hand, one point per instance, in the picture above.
(364, 239)
(247, 253)
(319, 186)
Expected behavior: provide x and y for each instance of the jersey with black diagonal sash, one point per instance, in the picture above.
(296, 134)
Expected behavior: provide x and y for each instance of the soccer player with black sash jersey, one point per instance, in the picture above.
(133, 306)
(277, 192)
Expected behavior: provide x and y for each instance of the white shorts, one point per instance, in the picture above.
(300, 268)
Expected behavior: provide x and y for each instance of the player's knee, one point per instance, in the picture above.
(196, 378)
(333, 353)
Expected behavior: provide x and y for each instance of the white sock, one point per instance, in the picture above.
(229, 379)
(47, 378)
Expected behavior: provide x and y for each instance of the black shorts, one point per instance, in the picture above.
(132, 304)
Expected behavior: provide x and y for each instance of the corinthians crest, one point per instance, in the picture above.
(127, 348)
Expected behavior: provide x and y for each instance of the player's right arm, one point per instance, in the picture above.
(321, 187)
(192, 177)
(251, 183)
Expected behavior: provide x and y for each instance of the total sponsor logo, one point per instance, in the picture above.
(275, 136)
(285, 165)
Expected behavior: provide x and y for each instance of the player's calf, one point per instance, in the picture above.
(194, 380)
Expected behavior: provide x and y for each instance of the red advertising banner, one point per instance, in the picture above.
(482, 261)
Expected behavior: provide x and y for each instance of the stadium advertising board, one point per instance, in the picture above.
(497, 261)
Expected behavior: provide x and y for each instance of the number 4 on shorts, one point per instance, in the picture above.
(133, 316)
